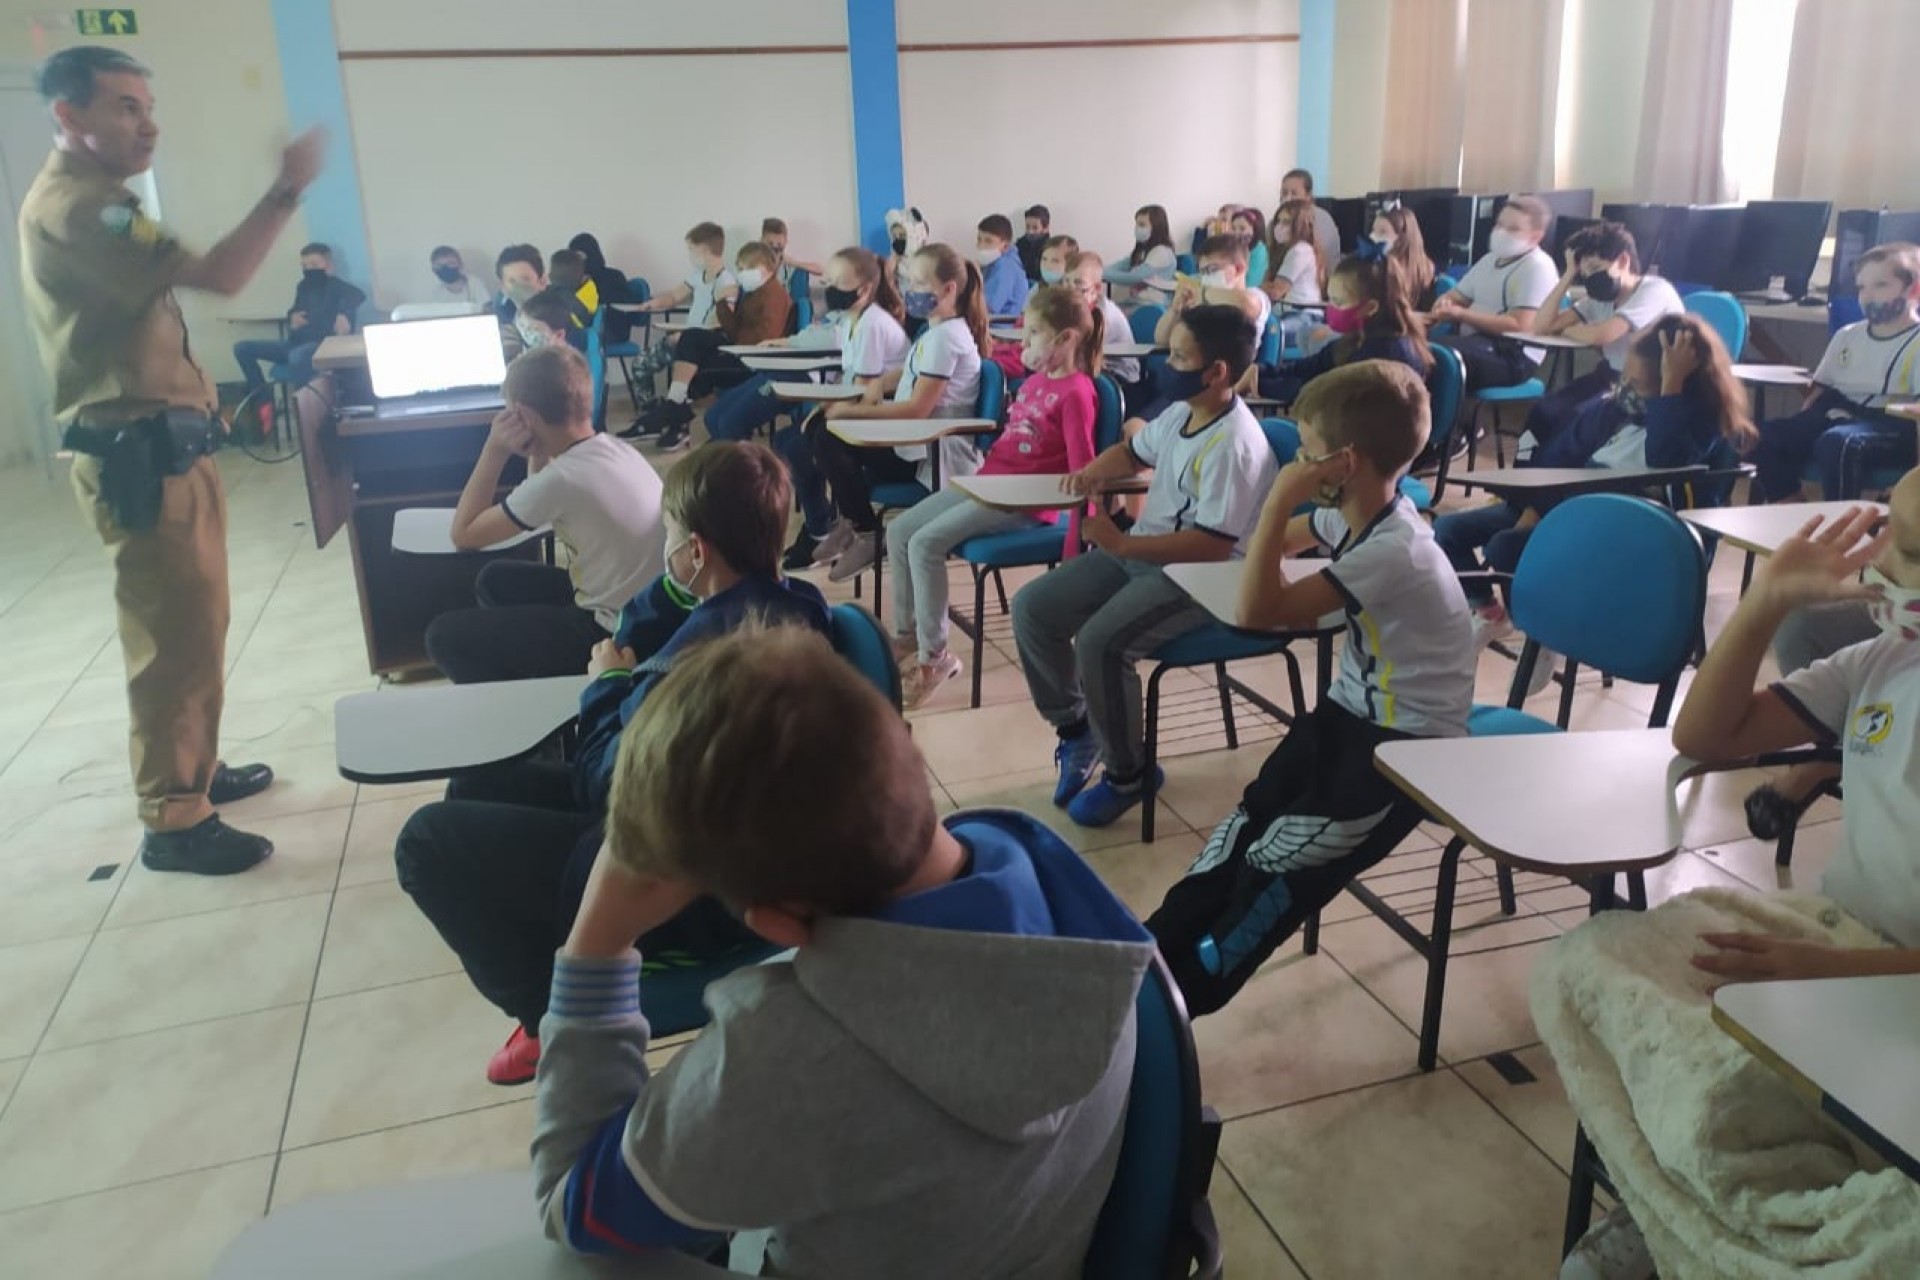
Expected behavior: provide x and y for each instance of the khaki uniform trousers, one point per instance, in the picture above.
(170, 587)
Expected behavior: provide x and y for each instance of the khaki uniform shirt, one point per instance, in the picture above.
(99, 280)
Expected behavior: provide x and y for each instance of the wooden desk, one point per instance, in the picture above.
(901, 433)
(477, 1227)
(361, 472)
(1850, 1044)
(1761, 529)
(428, 531)
(411, 735)
(340, 351)
(1522, 483)
(805, 391)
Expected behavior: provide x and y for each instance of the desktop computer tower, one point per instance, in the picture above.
(1350, 218)
(1431, 207)
(1469, 223)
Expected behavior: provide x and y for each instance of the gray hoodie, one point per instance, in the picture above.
(935, 1091)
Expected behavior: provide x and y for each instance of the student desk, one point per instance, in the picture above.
(801, 392)
(1008, 335)
(1759, 377)
(780, 353)
(1759, 530)
(1215, 587)
(361, 473)
(340, 351)
(410, 735)
(1033, 492)
(428, 531)
(1130, 350)
(900, 433)
(1850, 1044)
(1560, 353)
(787, 364)
(1787, 332)
(478, 1227)
(1580, 805)
(1519, 484)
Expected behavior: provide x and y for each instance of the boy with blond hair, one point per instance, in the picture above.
(932, 1085)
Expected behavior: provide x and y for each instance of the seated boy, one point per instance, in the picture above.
(1604, 262)
(523, 274)
(751, 310)
(453, 283)
(1006, 282)
(602, 499)
(1319, 813)
(698, 293)
(1844, 428)
(934, 1084)
(1031, 244)
(1497, 299)
(498, 867)
(567, 269)
(548, 320)
(323, 304)
(1082, 627)
(773, 234)
(1085, 270)
(1722, 1165)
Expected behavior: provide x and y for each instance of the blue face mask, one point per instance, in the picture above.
(1181, 384)
(921, 303)
(1050, 276)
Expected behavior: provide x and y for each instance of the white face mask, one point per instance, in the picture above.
(1385, 242)
(1036, 352)
(1505, 244)
(1141, 234)
(986, 257)
(1897, 611)
(751, 278)
(1215, 279)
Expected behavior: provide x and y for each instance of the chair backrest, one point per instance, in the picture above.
(1724, 312)
(1615, 583)
(1145, 1230)
(858, 638)
(1145, 320)
(1109, 413)
(597, 362)
(1444, 284)
(992, 400)
(800, 289)
(1283, 437)
(1446, 388)
(1184, 263)
(1269, 352)
(639, 288)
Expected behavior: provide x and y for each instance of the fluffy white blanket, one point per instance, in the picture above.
(1727, 1170)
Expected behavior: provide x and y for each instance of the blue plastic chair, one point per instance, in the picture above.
(1185, 265)
(1614, 582)
(1145, 320)
(1724, 312)
(898, 495)
(859, 638)
(1269, 354)
(1042, 544)
(1215, 645)
(1446, 388)
(1444, 284)
(629, 351)
(1156, 1221)
(597, 365)
(1283, 434)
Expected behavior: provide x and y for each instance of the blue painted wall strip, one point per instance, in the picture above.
(873, 63)
(310, 70)
(1313, 150)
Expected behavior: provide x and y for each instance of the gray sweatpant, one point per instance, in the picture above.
(1081, 628)
(918, 542)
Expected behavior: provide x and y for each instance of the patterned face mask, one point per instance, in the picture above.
(1632, 405)
(1897, 609)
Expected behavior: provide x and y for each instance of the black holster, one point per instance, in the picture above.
(136, 457)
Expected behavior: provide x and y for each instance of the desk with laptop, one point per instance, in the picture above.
(405, 436)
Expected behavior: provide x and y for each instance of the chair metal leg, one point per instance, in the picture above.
(1323, 665)
(1637, 890)
(1439, 941)
(1503, 877)
(1226, 705)
(979, 629)
(1579, 1191)
(1310, 935)
(879, 562)
(1746, 574)
(1152, 726)
(1294, 687)
(1000, 589)
(1499, 446)
(1569, 669)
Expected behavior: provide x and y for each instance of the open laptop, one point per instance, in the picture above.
(435, 366)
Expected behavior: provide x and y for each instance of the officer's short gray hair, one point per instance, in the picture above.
(69, 75)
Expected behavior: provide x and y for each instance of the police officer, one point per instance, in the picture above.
(138, 411)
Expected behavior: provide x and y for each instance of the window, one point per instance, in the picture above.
(1759, 45)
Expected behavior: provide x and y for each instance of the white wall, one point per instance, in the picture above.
(1095, 133)
(633, 149)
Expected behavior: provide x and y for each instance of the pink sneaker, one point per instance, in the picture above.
(515, 1061)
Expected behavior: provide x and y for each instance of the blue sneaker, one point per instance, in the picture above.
(1102, 804)
(1077, 758)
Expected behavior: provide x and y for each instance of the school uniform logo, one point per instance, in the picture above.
(1871, 725)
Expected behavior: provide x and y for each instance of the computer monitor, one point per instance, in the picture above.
(426, 356)
(1700, 243)
(1568, 202)
(1350, 219)
(1563, 230)
(1648, 225)
(1432, 208)
(1779, 239)
(1469, 225)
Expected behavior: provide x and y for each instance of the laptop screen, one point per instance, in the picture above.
(425, 356)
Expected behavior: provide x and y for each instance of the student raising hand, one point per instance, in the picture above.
(1821, 563)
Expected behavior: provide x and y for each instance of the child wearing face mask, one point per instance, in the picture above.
(1150, 264)
(940, 379)
(1604, 263)
(753, 308)
(1039, 228)
(1052, 270)
(698, 293)
(1496, 301)
(567, 269)
(1369, 313)
(1003, 277)
(1715, 1154)
(1085, 272)
(1676, 397)
(1246, 224)
(1222, 282)
(1397, 233)
(1843, 429)
(1049, 432)
(907, 233)
(1299, 276)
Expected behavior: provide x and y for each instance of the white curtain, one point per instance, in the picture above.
(1847, 133)
(1683, 104)
(1511, 78)
(1426, 94)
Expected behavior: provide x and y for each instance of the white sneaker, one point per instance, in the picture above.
(858, 556)
(1614, 1250)
(1544, 668)
(838, 539)
(923, 681)
(905, 650)
(1490, 626)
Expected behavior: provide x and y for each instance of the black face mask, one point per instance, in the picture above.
(899, 245)
(1601, 286)
(841, 299)
(313, 275)
(448, 274)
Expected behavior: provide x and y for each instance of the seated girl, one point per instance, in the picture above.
(1149, 268)
(1049, 432)
(1299, 276)
(940, 379)
(1372, 318)
(1676, 397)
(1397, 231)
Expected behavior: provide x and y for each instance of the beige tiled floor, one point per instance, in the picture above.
(178, 1054)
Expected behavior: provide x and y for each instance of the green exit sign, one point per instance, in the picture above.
(107, 22)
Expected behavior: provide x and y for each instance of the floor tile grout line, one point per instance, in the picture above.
(1511, 1123)
(131, 1183)
(1258, 1212)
